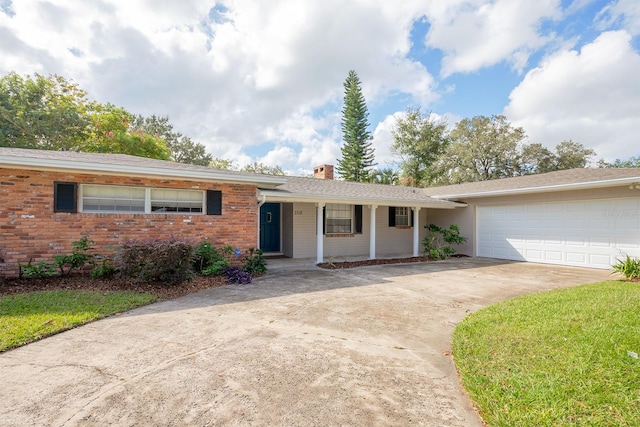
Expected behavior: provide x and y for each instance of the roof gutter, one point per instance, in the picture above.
(101, 168)
(529, 190)
(278, 196)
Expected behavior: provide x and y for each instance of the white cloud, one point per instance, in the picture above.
(475, 33)
(622, 13)
(383, 140)
(591, 96)
(227, 73)
(241, 75)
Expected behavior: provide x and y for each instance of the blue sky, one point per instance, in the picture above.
(262, 81)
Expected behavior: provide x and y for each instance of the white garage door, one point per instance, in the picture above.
(586, 234)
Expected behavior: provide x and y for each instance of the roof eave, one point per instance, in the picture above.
(540, 189)
(101, 168)
(277, 196)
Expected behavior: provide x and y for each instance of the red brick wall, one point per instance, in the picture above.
(30, 229)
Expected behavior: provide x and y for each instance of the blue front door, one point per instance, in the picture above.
(270, 227)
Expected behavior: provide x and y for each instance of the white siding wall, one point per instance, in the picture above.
(464, 217)
(304, 230)
(287, 229)
(389, 240)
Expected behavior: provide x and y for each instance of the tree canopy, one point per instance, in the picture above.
(181, 148)
(631, 162)
(477, 149)
(51, 113)
(482, 148)
(42, 112)
(257, 167)
(419, 141)
(357, 152)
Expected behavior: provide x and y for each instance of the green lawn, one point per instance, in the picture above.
(555, 358)
(28, 317)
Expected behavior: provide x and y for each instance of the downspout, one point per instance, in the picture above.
(260, 203)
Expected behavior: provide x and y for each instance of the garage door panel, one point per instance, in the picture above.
(533, 255)
(591, 233)
(556, 256)
(576, 258)
(600, 261)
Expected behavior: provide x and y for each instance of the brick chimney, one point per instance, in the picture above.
(323, 172)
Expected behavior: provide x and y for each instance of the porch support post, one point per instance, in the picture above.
(372, 231)
(319, 233)
(416, 231)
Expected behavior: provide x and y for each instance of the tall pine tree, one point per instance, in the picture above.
(357, 153)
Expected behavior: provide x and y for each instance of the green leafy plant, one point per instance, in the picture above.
(254, 262)
(80, 256)
(629, 267)
(103, 269)
(38, 271)
(438, 241)
(217, 268)
(204, 255)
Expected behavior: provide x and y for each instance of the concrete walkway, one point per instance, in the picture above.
(301, 346)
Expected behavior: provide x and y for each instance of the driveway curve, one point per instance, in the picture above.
(300, 346)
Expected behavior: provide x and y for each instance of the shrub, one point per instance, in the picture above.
(80, 256)
(254, 262)
(104, 269)
(236, 274)
(38, 271)
(438, 241)
(628, 267)
(204, 255)
(157, 260)
(217, 268)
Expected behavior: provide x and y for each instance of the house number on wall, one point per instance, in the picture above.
(297, 212)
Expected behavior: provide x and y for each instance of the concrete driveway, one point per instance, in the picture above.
(301, 346)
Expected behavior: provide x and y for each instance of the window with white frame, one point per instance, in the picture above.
(338, 218)
(402, 216)
(120, 199)
(177, 201)
(108, 198)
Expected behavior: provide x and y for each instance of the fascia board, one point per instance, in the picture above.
(102, 168)
(276, 196)
(542, 189)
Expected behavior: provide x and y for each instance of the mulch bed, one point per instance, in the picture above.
(368, 262)
(75, 282)
(337, 265)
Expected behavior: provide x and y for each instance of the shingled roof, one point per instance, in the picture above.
(334, 191)
(571, 179)
(126, 164)
(289, 188)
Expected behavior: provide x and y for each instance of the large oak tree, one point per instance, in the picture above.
(419, 140)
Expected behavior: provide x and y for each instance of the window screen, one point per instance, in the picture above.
(107, 198)
(338, 218)
(402, 216)
(180, 201)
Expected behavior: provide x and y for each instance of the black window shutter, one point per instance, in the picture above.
(392, 216)
(324, 220)
(358, 219)
(214, 202)
(411, 219)
(64, 196)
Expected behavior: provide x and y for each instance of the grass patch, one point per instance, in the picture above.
(555, 358)
(28, 317)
